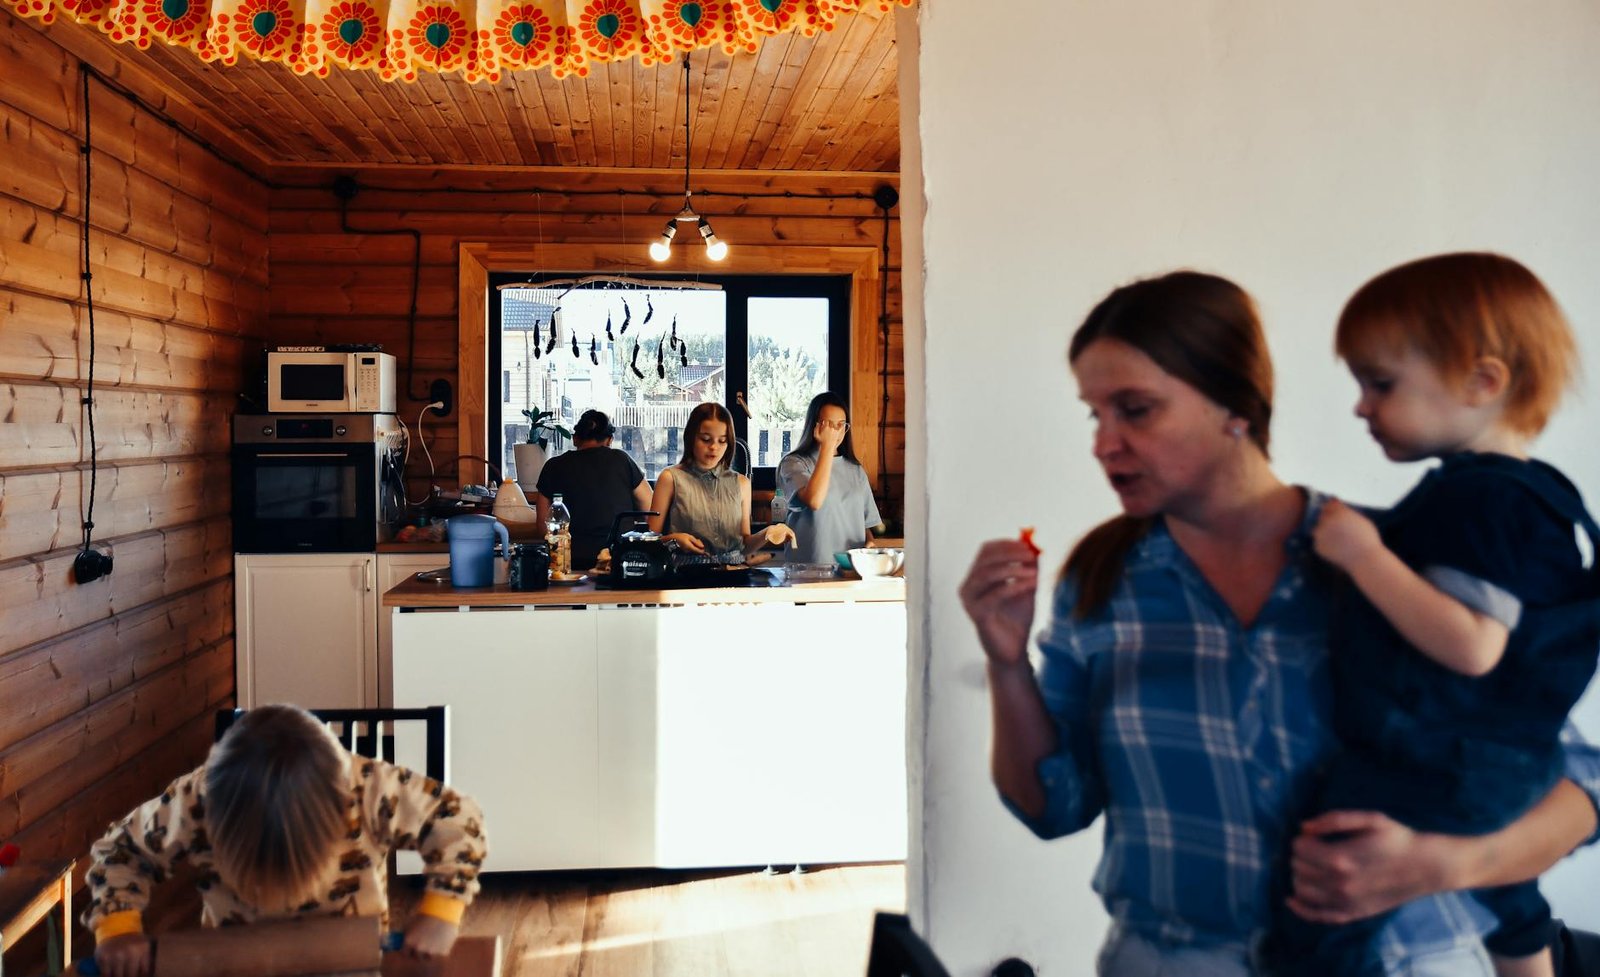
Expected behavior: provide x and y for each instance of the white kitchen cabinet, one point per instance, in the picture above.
(682, 735)
(393, 568)
(795, 745)
(306, 629)
(776, 732)
(521, 686)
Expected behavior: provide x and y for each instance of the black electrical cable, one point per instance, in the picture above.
(344, 191)
(885, 197)
(686, 144)
(173, 124)
(88, 293)
(619, 192)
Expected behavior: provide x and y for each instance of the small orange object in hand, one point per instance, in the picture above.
(1026, 536)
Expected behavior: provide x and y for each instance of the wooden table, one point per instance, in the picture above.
(28, 892)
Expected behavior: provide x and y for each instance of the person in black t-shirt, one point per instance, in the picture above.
(596, 482)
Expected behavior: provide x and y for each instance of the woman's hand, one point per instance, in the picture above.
(687, 541)
(127, 955)
(828, 436)
(429, 937)
(1349, 865)
(778, 533)
(998, 595)
(1343, 536)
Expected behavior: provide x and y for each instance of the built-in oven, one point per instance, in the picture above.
(316, 483)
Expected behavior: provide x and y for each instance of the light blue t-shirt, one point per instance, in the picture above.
(842, 521)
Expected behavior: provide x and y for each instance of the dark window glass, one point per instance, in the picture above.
(771, 341)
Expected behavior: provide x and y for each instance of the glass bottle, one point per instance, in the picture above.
(780, 505)
(559, 536)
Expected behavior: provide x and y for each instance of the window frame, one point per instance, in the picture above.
(476, 259)
(739, 289)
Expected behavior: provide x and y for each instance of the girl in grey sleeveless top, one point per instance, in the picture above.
(710, 506)
(702, 501)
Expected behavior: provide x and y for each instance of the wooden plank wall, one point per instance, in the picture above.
(333, 285)
(107, 688)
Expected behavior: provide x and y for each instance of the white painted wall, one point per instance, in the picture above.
(1298, 148)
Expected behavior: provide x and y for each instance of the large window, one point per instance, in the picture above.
(762, 346)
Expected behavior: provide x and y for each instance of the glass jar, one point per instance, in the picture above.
(530, 566)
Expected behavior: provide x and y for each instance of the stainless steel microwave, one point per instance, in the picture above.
(330, 382)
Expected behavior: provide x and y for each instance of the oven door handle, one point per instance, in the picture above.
(303, 454)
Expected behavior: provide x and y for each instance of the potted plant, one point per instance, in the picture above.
(529, 457)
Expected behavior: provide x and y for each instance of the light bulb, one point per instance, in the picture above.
(715, 249)
(661, 247)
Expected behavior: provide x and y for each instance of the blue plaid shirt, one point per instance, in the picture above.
(1198, 738)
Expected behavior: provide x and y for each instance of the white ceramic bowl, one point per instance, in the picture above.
(877, 561)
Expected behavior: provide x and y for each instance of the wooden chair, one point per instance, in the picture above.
(366, 732)
(897, 951)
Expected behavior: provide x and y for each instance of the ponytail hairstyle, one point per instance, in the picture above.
(1203, 330)
(594, 425)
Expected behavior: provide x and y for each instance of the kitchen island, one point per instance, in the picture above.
(668, 728)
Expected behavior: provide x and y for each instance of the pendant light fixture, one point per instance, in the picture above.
(661, 248)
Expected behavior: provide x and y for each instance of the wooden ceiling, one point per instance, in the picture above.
(823, 103)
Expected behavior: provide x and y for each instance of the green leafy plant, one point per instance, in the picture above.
(539, 420)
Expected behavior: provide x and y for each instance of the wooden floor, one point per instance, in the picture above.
(630, 924)
(681, 924)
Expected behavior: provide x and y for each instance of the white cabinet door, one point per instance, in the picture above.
(393, 569)
(838, 747)
(752, 734)
(520, 684)
(306, 630)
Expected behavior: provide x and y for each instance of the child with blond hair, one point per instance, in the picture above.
(1471, 628)
(282, 822)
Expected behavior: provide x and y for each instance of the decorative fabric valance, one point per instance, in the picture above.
(479, 38)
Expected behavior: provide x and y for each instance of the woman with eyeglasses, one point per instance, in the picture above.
(831, 508)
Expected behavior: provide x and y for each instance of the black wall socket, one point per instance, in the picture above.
(440, 390)
(91, 565)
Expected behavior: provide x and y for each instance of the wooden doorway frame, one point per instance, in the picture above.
(479, 258)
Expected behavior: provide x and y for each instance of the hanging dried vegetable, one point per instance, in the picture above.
(627, 317)
(683, 354)
(594, 350)
(575, 350)
(609, 337)
(649, 310)
(537, 342)
(661, 369)
(555, 324)
(634, 363)
(674, 330)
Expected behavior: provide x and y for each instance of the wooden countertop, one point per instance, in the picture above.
(426, 546)
(423, 593)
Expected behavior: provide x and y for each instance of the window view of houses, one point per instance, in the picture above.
(647, 356)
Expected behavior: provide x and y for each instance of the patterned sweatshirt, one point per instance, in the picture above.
(391, 808)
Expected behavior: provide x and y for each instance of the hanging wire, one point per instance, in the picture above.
(686, 137)
(88, 293)
(883, 380)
